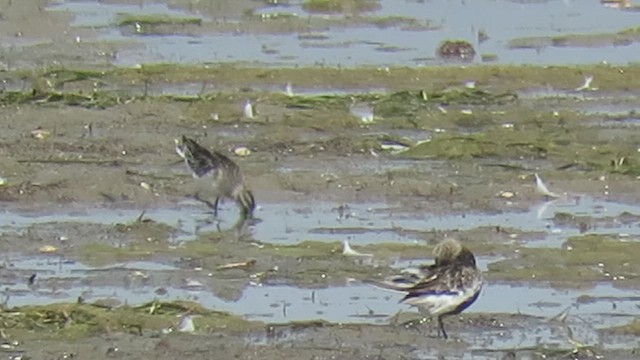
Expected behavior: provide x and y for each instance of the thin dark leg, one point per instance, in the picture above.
(215, 206)
(441, 325)
(240, 228)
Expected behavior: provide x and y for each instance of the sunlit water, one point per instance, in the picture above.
(370, 45)
(351, 303)
(360, 223)
(61, 280)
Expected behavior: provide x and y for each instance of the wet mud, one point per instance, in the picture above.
(105, 252)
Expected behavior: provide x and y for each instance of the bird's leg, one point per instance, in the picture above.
(213, 206)
(240, 228)
(441, 328)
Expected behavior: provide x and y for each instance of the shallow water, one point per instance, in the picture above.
(101, 14)
(59, 281)
(348, 45)
(360, 223)
(62, 280)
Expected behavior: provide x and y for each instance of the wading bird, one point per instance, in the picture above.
(447, 287)
(217, 173)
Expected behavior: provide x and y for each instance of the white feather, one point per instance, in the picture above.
(542, 189)
(186, 324)
(288, 90)
(348, 251)
(248, 110)
(586, 85)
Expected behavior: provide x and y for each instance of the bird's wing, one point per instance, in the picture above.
(222, 160)
(439, 282)
(407, 279)
(202, 163)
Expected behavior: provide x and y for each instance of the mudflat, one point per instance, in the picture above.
(107, 255)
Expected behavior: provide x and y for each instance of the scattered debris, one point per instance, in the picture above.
(192, 283)
(47, 249)
(145, 186)
(248, 110)
(288, 90)
(40, 134)
(364, 111)
(587, 84)
(561, 317)
(348, 251)
(186, 324)
(393, 146)
(238, 265)
(242, 151)
(542, 189)
(506, 194)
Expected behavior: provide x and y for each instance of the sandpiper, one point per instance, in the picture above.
(219, 174)
(447, 287)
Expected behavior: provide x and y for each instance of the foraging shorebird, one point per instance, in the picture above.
(218, 173)
(447, 287)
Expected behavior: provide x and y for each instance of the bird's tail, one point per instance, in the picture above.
(398, 284)
(246, 202)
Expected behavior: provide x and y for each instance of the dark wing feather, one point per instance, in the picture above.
(223, 161)
(441, 280)
(202, 161)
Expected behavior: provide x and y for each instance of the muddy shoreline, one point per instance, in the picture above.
(106, 253)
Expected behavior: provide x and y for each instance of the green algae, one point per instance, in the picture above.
(73, 321)
(340, 6)
(393, 21)
(61, 76)
(155, 20)
(501, 143)
(631, 328)
(323, 249)
(582, 259)
(497, 77)
(96, 99)
(623, 37)
(47, 85)
(562, 144)
(304, 249)
(142, 239)
(532, 133)
(100, 254)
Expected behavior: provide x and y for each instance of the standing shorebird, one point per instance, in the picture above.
(447, 287)
(217, 173)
